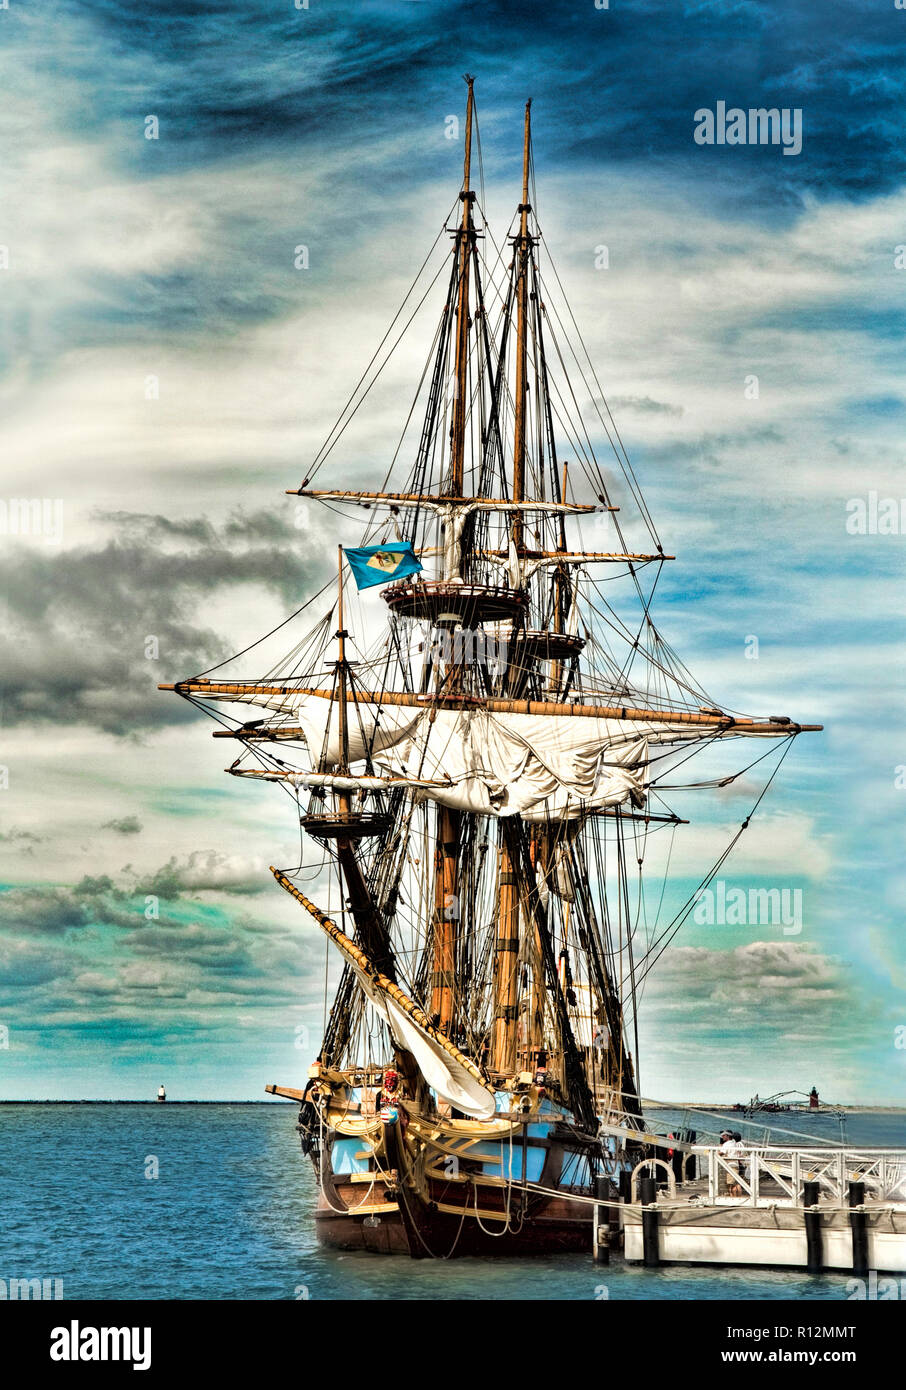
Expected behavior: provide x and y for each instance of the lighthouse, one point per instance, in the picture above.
(161, 1093)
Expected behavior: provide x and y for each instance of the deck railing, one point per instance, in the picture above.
(760, 1171)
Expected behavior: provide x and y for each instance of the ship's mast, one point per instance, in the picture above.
(447, 911)
(364, 912)
(506, 947)
(464, 240)
(342, 713)
(522, 251)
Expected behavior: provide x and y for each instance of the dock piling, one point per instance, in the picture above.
(811, 1192)
(859, 1224)
(601, 1224)
(648, 1199)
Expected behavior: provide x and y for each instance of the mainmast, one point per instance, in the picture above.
(506, 947)
(447, 911)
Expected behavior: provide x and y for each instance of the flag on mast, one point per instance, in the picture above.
(379, 564)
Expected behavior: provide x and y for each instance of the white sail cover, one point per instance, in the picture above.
(443, 1073)
(497, 764)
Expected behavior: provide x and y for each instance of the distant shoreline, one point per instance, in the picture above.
(825, 1108)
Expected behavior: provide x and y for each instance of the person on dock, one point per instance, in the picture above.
(733, 1150)
(729, 1149)
(740, 1155)
(725, 1138)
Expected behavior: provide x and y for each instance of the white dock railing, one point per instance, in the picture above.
(883, 1172)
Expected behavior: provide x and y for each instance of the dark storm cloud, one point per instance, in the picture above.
(78, 621)
(42, 911)
(213, 948)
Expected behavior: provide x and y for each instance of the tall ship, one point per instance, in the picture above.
(478, 726)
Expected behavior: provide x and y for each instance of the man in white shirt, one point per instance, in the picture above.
(732, 1149)
(728, 1151)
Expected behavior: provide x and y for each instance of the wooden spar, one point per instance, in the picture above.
(556, 556)
(433, 499)
(522, 252)
(379, 980)
(446, 914)
(618, 813)
(376, 784)
(727, 723)
(728, 726)
(287, 1092)
(576, 556)
(425, 784)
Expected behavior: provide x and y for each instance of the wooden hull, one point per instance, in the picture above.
(441, 1216)
(447, 1226)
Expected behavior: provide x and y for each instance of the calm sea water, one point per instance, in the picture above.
(229, 1216)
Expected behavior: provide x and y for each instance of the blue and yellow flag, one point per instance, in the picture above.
(379, 564)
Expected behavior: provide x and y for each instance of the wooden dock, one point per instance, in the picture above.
(836, 1209)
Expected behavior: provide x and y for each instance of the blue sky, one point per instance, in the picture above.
(172, 258)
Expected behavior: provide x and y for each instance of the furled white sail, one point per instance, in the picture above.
(330, 780)
(496, 764)
(443, 1073)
